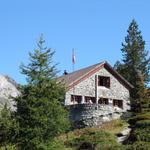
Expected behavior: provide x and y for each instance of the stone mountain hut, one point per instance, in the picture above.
(96, 94)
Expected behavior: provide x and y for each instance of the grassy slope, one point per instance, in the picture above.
(98, 138)
(104, 138)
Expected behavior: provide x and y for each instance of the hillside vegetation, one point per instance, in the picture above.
(105, 137)
(140, 135)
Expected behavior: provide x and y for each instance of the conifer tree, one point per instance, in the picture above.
(40, 114)
(135, 66)
(8, 127)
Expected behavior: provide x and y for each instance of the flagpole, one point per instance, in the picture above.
(73, 68)
(73, 59)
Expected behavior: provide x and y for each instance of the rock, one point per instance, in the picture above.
(121, 139)
(126, 131)
(8, 91)
(123, 134)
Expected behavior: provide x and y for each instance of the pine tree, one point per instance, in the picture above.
(40, 114)
(8, 127)
(135, 66)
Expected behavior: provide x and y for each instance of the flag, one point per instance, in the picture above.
(73, 57)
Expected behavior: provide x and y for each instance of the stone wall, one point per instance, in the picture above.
(83, 115)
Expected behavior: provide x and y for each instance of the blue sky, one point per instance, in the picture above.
(94, 28)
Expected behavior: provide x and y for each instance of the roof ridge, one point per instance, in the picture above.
(97, 64)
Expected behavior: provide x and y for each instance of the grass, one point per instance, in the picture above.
(93, 139)
(115, 126)
(103, 136)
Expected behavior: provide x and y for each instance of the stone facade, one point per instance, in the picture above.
(88, 88)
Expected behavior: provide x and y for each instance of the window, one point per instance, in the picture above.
(118, 103)
(89, 99)
(76, 98)
(103, 101)
(104, 81)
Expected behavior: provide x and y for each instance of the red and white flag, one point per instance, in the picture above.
(73, 57)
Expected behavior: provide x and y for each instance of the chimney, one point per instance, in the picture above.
(65, 72)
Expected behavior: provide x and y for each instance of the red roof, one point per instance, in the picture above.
(76, 77)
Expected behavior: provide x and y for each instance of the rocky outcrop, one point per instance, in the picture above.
(8, 90)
